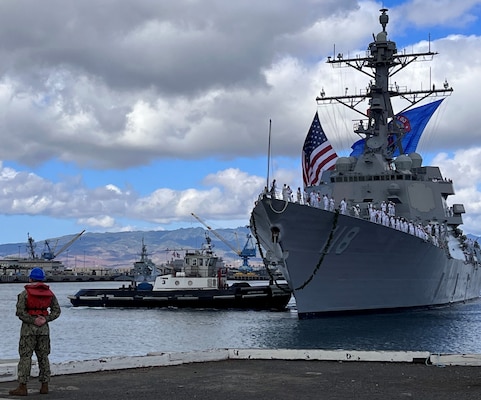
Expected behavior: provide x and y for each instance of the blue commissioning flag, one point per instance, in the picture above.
(413, 122)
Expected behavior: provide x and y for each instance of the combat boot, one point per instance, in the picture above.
(44, 388)
(21, 390)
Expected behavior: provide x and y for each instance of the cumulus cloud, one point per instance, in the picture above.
(138, 85)
(138, 82)
(105, 222)
(227, 194)
(462, 168)
(435, 12)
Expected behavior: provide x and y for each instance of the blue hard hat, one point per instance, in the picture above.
(37, 274)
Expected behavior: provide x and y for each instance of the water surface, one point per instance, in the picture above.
(89, 333)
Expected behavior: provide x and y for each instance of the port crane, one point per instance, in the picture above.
(248, 251)
(49, 254)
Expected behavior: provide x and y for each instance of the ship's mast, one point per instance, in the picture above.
(381, 136)
(31, 247)
(381, 60)
(143, 253)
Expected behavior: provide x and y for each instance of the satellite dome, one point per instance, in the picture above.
(417, 159)
(403, 163)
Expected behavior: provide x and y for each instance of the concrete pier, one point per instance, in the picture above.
(260, 373)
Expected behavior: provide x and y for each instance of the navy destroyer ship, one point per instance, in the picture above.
(375, 231)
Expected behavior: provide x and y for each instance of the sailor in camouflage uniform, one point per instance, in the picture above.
(36, 307)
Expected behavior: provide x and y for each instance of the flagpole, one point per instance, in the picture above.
(269, 154)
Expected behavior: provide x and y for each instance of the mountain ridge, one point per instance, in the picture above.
(121, 249)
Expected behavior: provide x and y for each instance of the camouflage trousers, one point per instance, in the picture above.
(27, 345)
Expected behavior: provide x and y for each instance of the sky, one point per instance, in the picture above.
(126, 116)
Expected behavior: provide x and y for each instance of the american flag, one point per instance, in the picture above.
(317, 154)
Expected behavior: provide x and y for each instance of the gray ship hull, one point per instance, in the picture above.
(338, 263)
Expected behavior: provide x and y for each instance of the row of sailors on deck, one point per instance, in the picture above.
(314, 199)
(385, 215)
(385, 212)
(429, 232)
(287, 194)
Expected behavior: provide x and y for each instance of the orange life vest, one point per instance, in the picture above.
(39, 297)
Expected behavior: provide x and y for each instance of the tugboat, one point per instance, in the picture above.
(378, 233)
(197, 283)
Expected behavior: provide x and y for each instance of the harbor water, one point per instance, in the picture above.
(91, 333)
